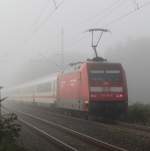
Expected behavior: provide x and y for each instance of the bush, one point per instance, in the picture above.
(9, 131)
(139, 113)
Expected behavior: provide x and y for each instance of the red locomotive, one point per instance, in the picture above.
(94, 87)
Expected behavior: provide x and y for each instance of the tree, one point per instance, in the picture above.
(9, 131)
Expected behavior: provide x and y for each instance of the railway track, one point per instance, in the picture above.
(50, 138)
(134, 126)
(129, 138)
(85, 140)
(116, 124)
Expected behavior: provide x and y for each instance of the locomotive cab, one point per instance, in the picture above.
(107, 89)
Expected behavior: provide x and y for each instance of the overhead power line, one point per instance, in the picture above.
(43, 10)
(40, 15)
(55, 4)
(128, 13)
(117, 19)
(42, 23)
(110, 12)
(101, 13)
(48, 16)
(136, 2)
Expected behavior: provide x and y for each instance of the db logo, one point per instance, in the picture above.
(106, 83)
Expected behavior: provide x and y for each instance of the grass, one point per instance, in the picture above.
(139, 113)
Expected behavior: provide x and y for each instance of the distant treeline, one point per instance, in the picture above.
(139, 113)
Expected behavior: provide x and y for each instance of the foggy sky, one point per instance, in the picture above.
(30, 44)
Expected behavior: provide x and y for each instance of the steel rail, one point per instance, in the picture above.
(63, 145)
(53, 139)
(89, 139)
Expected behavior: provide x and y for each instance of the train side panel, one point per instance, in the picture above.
(70, 91)
(74, 90)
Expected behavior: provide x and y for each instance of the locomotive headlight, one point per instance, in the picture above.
(119, 95)
(86, 102)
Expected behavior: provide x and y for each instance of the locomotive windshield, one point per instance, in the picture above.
(105, 75)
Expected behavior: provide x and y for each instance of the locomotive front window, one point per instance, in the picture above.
(105, 75)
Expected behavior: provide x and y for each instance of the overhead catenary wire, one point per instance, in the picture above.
(120, 18)
(101, 13)
(42, 23)
(55, 4)
(104, 14)
(43, 10)
(136, 2)
(128, 13)
(40, 15)
(109, 12)
(111, 6)
(47, 17)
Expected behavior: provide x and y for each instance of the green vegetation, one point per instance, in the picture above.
(139, 113)
(9, 131)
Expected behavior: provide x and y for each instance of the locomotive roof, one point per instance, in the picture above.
(110, 64)
(79, 64)
(94, 62)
